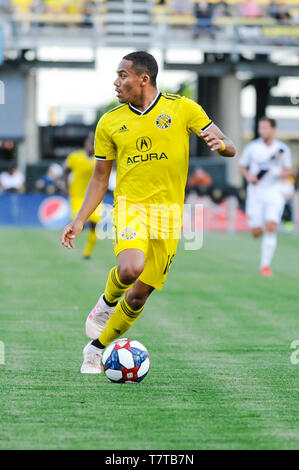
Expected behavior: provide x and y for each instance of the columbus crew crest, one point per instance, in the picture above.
(128, 233)
(163, 121)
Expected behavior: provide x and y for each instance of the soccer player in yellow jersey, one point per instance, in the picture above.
(148, 136)
(81, 164)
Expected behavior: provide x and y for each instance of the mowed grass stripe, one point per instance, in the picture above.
(228, 369)
(219, 344)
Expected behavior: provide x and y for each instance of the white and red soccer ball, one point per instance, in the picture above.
(126, 361)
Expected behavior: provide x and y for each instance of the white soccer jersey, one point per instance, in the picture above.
(265, 200)
(266, 162)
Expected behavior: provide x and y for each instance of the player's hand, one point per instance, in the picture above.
(211, 139)
(285, 173)
(70, 232)
(251, 179)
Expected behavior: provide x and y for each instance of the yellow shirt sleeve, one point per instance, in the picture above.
(104, 147)
(196, 118)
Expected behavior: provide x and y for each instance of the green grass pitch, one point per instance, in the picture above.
(219, 338)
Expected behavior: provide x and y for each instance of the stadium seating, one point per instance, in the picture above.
(271, 21)
(170, 9)
(235, 13)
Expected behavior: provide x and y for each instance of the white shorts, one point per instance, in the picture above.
(264, 206)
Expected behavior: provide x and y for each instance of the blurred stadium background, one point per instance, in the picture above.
(232, 384)
(58, 57)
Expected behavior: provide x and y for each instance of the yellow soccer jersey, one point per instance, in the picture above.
(81, 167)
(151, 148)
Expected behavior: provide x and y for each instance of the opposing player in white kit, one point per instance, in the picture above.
(265, 163)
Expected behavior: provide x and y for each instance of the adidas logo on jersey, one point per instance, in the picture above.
(123, 128)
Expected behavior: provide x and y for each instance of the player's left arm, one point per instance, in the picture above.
(216, 140)
(287, 169)
(286, 172)
(66, 173)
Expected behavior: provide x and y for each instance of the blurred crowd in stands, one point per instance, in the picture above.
(83, 7)
(71, 7)
(204, 11)
(13, 180)
(285, 12)
(248, 8)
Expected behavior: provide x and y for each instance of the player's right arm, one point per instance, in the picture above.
(94, 195)
(198, 122)
(248, 176)
(66, 174)
(244, 163)
(105, 153)
(69, 166)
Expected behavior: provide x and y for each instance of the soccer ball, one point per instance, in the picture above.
(126, 361)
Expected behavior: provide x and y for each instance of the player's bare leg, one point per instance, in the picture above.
(126, 312)
(91, 241)
(256, 232)
(130, 265)
(120, 279)
(138, 294)
(269, 243)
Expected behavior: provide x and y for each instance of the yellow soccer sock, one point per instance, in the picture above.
(114, 288)
(119, 322)
(90, 243)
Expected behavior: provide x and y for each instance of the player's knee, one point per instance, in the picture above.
(271, 227)
(256, 232)
(129, 272)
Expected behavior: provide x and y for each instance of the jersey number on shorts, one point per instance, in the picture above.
(169, 261)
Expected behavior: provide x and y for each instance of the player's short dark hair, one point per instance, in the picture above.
(144, 62)
(271, 121)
